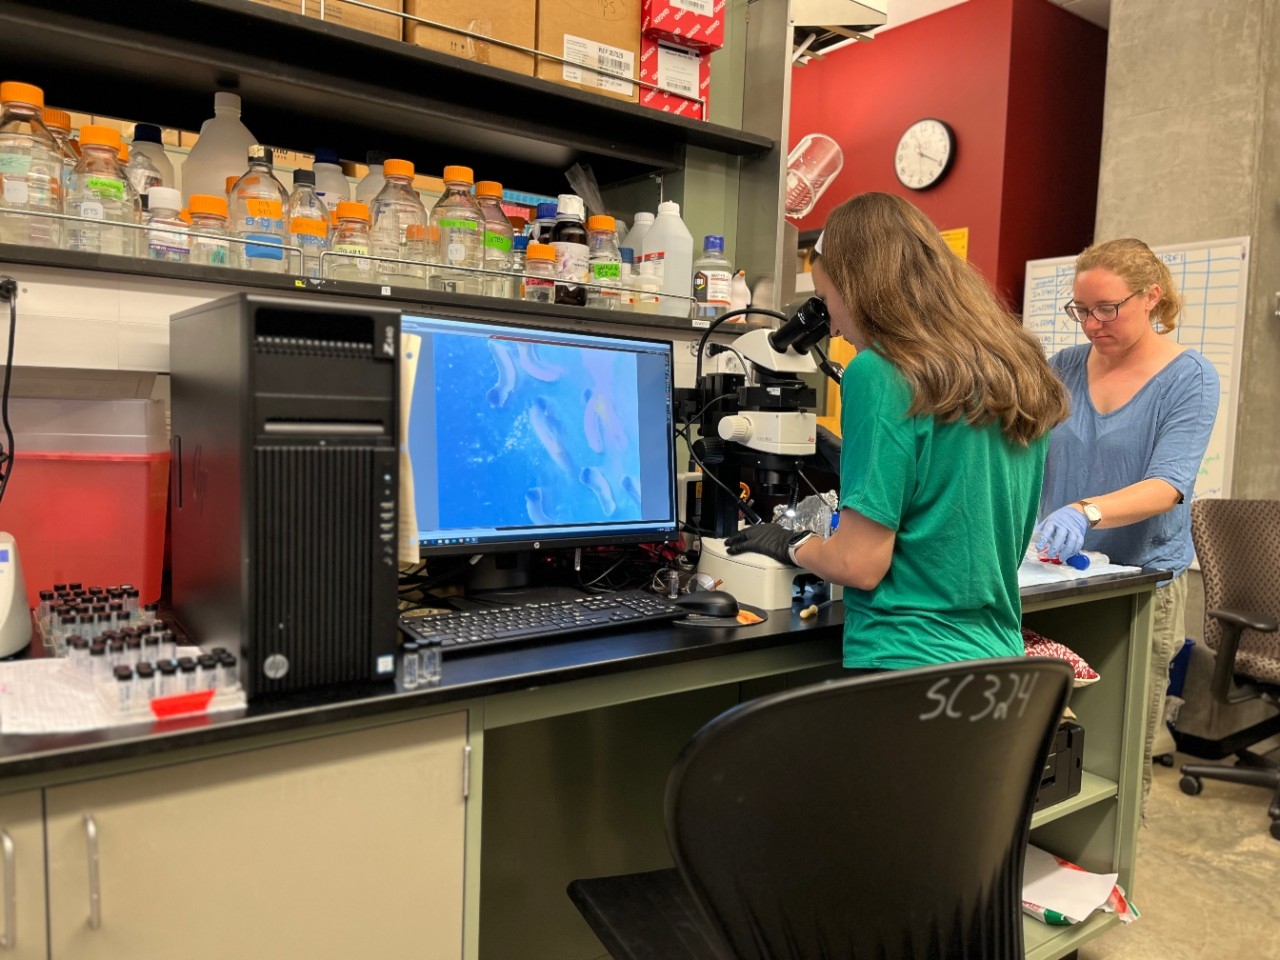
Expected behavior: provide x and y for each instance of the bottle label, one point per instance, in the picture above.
(496, 241)
(163, 243)
(14, 163)
(213, 252)
(309, 227)
(604, 271)
(456, 252)
(712, 286)
(573, 260)
(263, 246)
(458, 225)
(107, 188)
(657, 259)
(256, 208)
(15, 191)
(539, 289)
(91, 209)
(357, 250)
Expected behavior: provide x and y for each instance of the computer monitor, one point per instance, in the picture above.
(525, 438)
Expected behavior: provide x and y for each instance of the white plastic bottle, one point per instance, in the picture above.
(647, 283)
(220, 151)
(395, 209)
(498, 237)
(712, 277)
(368, 187)
(166, 234)
(635, 236)
(30, 168)
(99, 191)
(308, 222)
(332, 185)
(668, 248)
(461, 226)
(146, 139)
(258, 203)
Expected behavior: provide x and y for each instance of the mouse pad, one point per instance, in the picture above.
(747, 616)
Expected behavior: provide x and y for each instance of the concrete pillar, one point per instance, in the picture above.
(1190, 152)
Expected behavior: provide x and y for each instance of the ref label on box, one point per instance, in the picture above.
(683, 74)
(691, 23)
(600, 41)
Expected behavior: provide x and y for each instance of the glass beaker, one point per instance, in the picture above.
(811, 167)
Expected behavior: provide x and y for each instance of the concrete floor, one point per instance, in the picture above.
(1208, 877)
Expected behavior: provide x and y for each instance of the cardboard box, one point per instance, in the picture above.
(682, 70)
(604, 36)
(346, 15)
(693, 23)
(510, 20)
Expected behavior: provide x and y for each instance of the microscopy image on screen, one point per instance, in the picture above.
(535, 434)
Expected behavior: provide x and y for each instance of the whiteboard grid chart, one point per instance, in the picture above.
(1212, 278)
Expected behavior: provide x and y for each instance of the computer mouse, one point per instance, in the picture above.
(709, 603)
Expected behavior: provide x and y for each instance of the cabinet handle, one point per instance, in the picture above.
(9, 939)
(95, 894)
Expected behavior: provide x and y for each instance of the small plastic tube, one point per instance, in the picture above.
(169, 682)
(207, 673)
(98, 666)
(151, 648)
(187, 668)
(230, 672)
(144, 686)
(429, 672)
(409, 662)
(124, 688)
(116, 654)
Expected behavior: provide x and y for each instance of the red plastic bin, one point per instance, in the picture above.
(92, 514)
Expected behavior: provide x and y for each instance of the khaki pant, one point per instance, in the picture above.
(1168, 633)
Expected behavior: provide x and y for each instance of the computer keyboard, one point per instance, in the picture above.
(486, 628)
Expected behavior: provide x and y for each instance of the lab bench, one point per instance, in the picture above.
(447, 821)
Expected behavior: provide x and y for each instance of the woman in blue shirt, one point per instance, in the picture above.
(1122, 468)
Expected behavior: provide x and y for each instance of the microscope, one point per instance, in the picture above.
(754, 414)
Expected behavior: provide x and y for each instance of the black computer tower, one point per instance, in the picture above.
(284, 486)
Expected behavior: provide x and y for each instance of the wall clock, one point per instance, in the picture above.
(925, 153)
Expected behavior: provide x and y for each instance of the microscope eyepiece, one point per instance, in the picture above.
(809, 325)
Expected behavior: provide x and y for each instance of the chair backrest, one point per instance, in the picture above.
(1238, 545)
(874, 817)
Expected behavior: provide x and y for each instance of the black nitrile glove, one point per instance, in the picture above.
(828, 447)
(769, 539)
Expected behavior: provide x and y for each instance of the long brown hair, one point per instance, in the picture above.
(1135, 263)
(934, 318)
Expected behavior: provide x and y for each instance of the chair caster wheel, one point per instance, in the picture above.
(1275, 829)
(1165, 759)
(1192, 786)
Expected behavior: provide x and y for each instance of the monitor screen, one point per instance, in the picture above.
(521, 437)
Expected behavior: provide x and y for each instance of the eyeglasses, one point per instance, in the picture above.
(1103, 312)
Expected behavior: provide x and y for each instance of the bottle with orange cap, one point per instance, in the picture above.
(59, 124)
(605, 263)
(461, 226)
(396, 210)
(209, 248)
(99, 190)
(498, 237)
(352, 240)
(30, 169)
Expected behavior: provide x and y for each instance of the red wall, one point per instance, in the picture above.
(1054, 139)
(1005, 74)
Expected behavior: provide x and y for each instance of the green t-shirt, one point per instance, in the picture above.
(962, 501)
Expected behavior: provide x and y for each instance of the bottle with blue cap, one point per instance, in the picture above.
(712, 279)
(147, 141)
(332, 185)
(543, 223)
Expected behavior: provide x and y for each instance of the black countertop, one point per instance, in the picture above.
(471, 676)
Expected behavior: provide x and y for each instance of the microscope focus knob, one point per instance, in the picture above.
(735, 428)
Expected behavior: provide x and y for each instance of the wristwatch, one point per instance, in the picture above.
(1091, 512)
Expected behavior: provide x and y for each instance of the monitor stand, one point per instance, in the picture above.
(500, 571)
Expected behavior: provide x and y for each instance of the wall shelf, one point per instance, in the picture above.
(307, 82)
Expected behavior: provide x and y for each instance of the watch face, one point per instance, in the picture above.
(925, 153)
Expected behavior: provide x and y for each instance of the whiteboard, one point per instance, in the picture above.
(1212, 278)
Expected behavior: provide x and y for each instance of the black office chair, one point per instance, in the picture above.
(1238, 545)
(873, 817)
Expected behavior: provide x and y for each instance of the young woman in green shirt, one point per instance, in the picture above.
(946, 413)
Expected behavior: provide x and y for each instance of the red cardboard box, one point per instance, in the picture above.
(692, 23)
(682, 70)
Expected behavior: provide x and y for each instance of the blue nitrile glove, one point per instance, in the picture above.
(1061, 533)
(769, 539)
